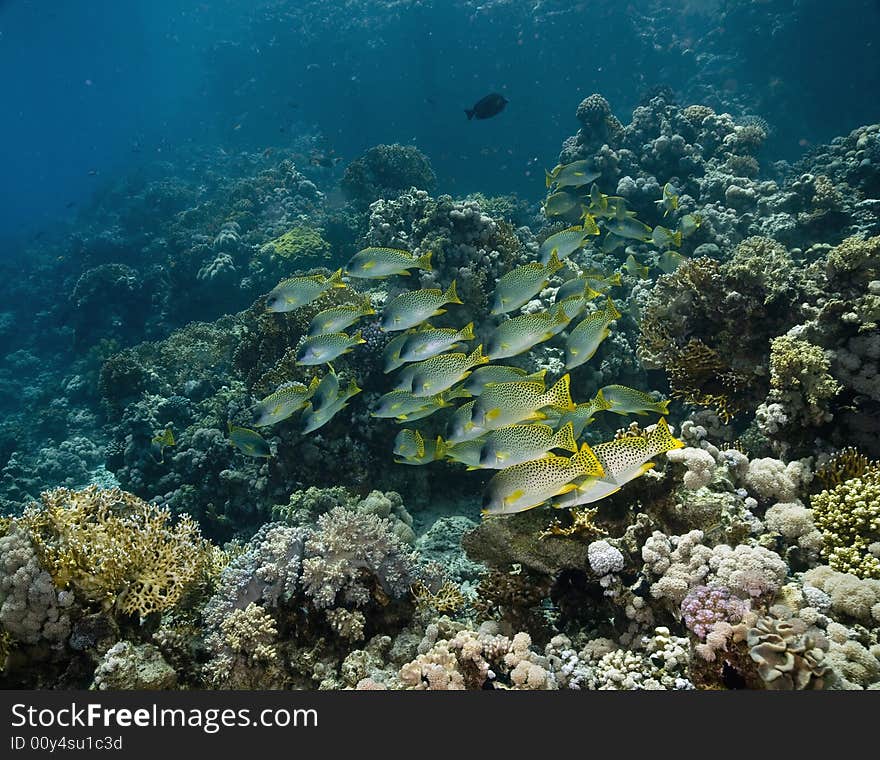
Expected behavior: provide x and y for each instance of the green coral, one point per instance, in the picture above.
(302, 245)
(849, 517)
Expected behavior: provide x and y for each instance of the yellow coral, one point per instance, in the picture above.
(849, 517)
(582, 525)
(847, 463)
(114, 549)
(447, 599)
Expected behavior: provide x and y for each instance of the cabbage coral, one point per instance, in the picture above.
(112, 548)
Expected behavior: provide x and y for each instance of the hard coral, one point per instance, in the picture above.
(111, 548)
(353, 557)
(301, 246)
(849, 517)
(385, 171)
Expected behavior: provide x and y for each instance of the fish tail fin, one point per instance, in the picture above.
(451, 295)
(420, 443)
(315, 382)
(477, 357)
(548, 178)
(589, 224)
(467, 332)
(352, 389)
(537, 377)
(367, 307)
(458, 391)
(600, 403)
(424, 262)
(560, 394)
(564, 438)
(554, 264)
(663, 406)
(470, 113)
(559, 316)
(335, 279)
(611, 311)
(358, 338)
(676, 238)
(662, 439)
(587, 462)
(439, 448)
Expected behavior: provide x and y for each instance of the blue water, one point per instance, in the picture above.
(93, 90)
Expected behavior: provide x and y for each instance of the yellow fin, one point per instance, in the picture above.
(560, 394)
(564, 438)
(424, 262)
(567, 488)
(450, 295)
(335, 279)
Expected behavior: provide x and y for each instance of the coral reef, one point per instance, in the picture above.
(141, 547)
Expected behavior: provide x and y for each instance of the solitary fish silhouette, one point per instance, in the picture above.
(491, 105)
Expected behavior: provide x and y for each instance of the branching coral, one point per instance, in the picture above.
(113, 549)
(849, 517)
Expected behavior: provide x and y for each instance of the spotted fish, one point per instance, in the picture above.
(563, 243)
(461, 427)
(392, 353)
(338, 318)
(522, 333)
(575, 174)
(320, 349)
(432, 341)
(439, 373)
(584, 340)
(249, 442)
(529, 484)
(292, 293)
(376, 263)
(499, 373)
(519, 286)
(521, 443)
(430, 449)
(466, 452)
(622, 460)
(625, 400)
(314, 417)
(281, 404)
(414, 307)
(505, 404)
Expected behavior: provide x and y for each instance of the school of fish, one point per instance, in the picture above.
(508, 422)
